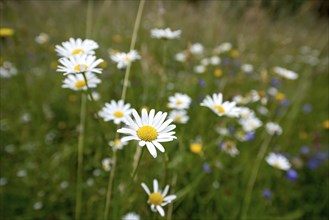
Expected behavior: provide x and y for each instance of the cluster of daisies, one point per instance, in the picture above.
(79, 63)
(150, 128)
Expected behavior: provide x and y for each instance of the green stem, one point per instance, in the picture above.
(123, 97)
(109, 190)
(132, 46)
(137, 159)
(253, 176)
(80, 155)
(82, 127)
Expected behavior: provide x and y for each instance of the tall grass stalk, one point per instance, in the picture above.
(123, 97)
(253, 176)
(82, 125)
(80, 154)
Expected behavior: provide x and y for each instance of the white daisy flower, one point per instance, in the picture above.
(215, 60)
(131, 216)
(181, 57)
(224, 47)
(278, 161)
(216, 104)
(42, 38)
(124, 59)
(179, 116)
(76, 46)
(117, 144)
(288, 74)
(247, 68)
(250, 124)
(246, 112)
(107, 164)
(157, 199)
(273, 128)
(196, 49)
(115, 111)
(79, 63)
(179, 101)
(230, 148)
(165, 33)
(199, 69)
(7, 70)
(77, 82)
(149, 130)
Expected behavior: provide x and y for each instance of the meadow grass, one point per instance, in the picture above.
(39, 119)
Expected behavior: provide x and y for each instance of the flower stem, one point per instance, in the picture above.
(123, 97)
(80, 155)
(82, 126)
(109, 189)
(132, 46)
(253, 176)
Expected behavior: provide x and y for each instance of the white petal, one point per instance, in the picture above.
(151, 116)
(170, 198)
(160, 210)
(144, 117)
(151, 149)
(165, 191)
(146, 188)
(155, 185)
(137, 118)
(129, 138)
(159, 146)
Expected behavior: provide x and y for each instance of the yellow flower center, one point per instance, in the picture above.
(276, 165)
(118, 114)
(218, 73)
(81, 67)
(127, 58)
(80, 84)
(178, 118)
(117, 142)
(280, 96)
(229, 145)
(147, 133)
(219, 108)
(179, 102)
(155, 198)
(196, 148)
(6, 32)
(77, 51)
(326, 124)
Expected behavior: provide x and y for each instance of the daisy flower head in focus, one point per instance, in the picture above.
(216, 104)
(285, 73)
(76, 46)
(278, 161)
(115, 111)
(150, 129)
(179, 116)
(79, 64)
(124, 59)
(157, 199)
(166, 34)
(117, 144)
(77, 82)
(179, 101)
